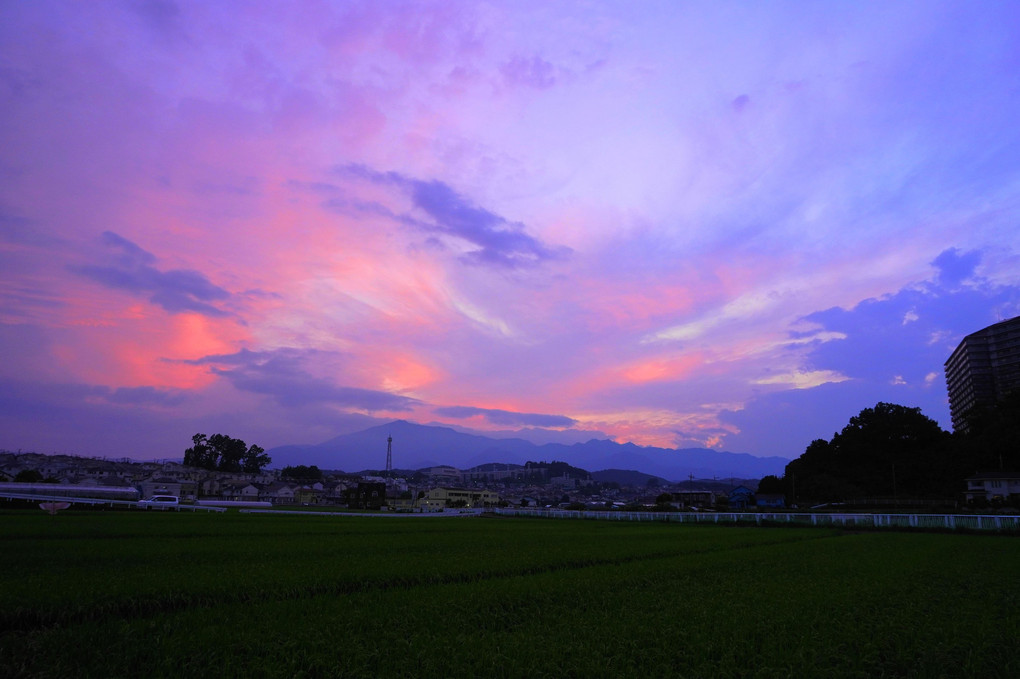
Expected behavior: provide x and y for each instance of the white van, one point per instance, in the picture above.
(160, 502)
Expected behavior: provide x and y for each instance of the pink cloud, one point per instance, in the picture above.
(514, 209)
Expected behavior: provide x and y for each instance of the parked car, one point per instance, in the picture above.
(160, 502)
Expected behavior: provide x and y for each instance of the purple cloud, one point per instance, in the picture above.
(955, 266)
(534, 72)
(132, 269)
(147, 396)
(498, 240)
(161, 15)
(713, 200)
(893, 350)
(21, 399)
(507, 417)
(910, 334)
(280, 373)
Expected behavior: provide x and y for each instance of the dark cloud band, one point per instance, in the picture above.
(132, 269)
(280, 373)
(498, 241)
(507, 417)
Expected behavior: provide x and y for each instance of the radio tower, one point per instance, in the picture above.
(389, 454)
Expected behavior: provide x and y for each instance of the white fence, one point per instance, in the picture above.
(80, 500)
(857, 520)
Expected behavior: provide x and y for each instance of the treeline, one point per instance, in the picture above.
(223, 453)
(554, 469)
(301, 472)
(895, 451)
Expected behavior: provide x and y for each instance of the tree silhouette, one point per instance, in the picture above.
(223, 453)
(887, 450)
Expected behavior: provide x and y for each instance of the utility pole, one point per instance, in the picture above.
(389, 454)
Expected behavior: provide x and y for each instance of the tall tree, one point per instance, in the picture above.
(883, 451)
(226, 454)
(255, 459)
(200, 454)
(772, 484)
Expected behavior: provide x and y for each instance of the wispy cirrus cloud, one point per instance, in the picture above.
(375, 200)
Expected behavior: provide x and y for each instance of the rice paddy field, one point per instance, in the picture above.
(141, 594)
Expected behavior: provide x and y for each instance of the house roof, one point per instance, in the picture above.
(993, 475)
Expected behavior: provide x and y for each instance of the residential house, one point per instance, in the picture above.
(159, 485)
(335, 493)
(993, 486)
(309, 495)
(53, 469)
(279, 493)
(741, 497)
(770, 500)
(239, 492)
(174, 470)
(694, 498)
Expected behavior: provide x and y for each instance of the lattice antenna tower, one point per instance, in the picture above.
(389, 453)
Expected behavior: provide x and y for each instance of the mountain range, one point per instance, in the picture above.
(416, 446)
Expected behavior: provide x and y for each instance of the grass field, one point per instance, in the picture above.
(131, 594)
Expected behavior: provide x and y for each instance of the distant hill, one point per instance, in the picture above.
(625, 477)
(416, 446)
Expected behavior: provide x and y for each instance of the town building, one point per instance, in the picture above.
(371, 495)
(693, 498)
(983, 369)
(443, 474)
(440, 498)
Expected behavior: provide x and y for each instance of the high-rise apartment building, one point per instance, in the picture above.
(983, 369)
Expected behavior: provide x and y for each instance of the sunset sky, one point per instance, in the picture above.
(681, 224)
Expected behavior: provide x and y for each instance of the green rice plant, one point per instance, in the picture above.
(511, 598)
(196, 560)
